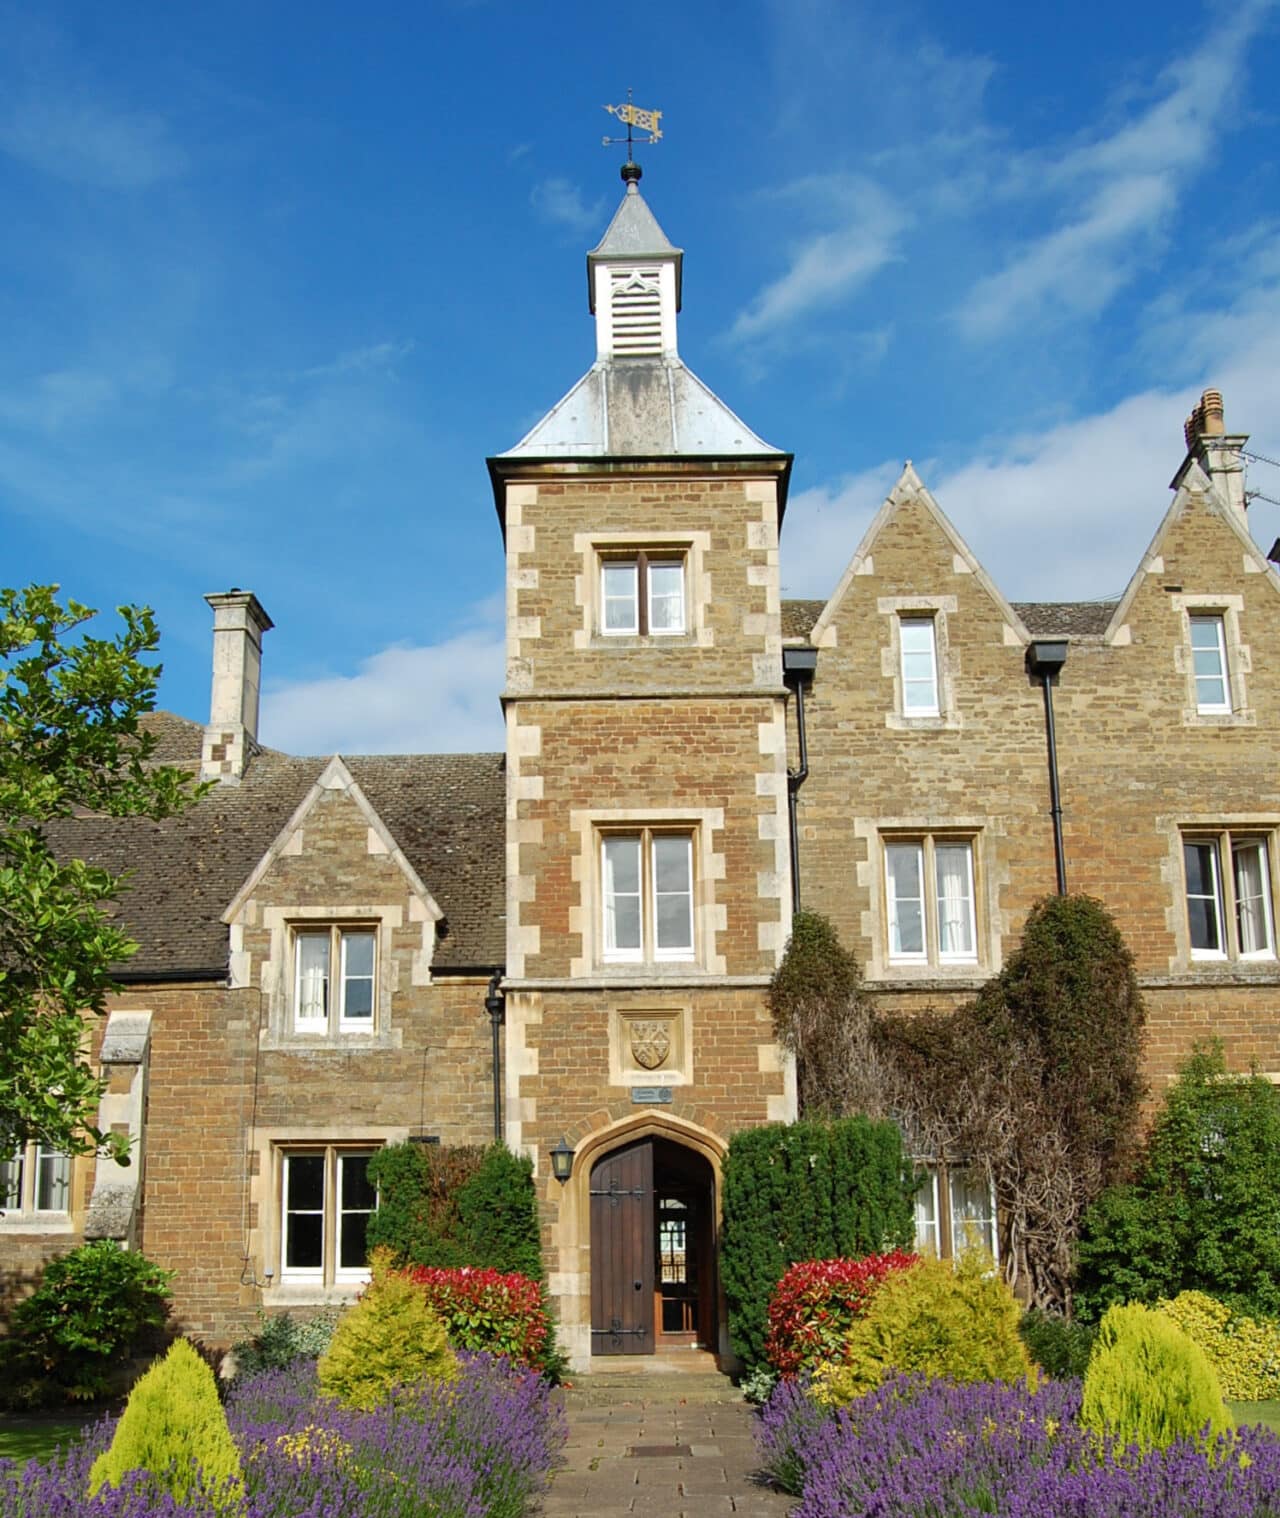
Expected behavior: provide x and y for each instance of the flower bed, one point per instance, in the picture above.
(481, 1447)
(921, 1449)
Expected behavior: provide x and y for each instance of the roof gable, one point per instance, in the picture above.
(910, 491)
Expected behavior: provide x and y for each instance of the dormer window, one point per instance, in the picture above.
(642, 595)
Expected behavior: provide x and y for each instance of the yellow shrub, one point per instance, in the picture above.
(389, 1338)
(173, 1426)
(1244, 1351)
(1148, 1384)
(959, 1322)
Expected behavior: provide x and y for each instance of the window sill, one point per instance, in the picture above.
(312, 1293)
(36, 1222)
(344, 1041)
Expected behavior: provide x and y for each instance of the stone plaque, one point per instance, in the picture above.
(650, 1042)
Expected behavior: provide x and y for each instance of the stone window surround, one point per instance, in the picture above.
(1239, 658)
(265, 1239)
(708, 867)
(1221, 829)
(594, 547)
(938, 608)
(870, 873)
(277, 975)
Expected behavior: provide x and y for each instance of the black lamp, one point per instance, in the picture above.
(562, 1161)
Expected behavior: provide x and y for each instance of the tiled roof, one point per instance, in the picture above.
(798, 617)
(1077, 619)
(446, 811)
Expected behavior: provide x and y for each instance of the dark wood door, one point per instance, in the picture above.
(622, 1252)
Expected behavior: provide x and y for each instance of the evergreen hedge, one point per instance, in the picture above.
(806, 1191)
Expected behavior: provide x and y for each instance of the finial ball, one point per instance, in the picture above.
(631, 172)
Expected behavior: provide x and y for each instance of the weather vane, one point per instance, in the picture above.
(633, 117)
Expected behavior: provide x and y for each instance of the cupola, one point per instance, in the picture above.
(633, 281)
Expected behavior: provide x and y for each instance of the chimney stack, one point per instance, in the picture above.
(231, 737)
(1216, 451)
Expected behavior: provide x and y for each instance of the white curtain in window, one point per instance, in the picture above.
(955, 900)
(11, 1181)
(926, 1205)
(1252, 897)
(973, 1212)
(53, 1181)
(313, 977)
(666, 596)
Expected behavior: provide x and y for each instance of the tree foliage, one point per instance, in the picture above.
(70, 742)
(1203, 1211)
(1037, 1079)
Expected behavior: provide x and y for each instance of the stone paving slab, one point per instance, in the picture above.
(703, 1461)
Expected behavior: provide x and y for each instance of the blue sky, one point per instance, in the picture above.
(278, 277)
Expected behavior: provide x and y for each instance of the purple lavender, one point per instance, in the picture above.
(917, 1449)
(482, 1447)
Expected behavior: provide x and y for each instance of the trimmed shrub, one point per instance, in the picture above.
(1244, 1351)
(1203, 1213)
(1148, 1384)
(174, 1428)
(93, 1309)
(456, 1206)
(504, 1314)
(391, 1338)
(960, 1323)
(807, 1191)
(1060, 1348)
(814, 1304)
(281, 1339)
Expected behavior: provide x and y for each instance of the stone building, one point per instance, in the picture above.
(573, 939)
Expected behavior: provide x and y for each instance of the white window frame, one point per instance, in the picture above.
(648, 951)
(928, 1221)
(335, 1018)
(927, 624)
(926, 847)
(640, 564)
(1226, 898)
(331, 1213)
(1218, 623)
(32, 1161)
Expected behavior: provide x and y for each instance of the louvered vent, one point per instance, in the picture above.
(637, 312)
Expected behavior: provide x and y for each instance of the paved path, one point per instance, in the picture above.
(667, 1451)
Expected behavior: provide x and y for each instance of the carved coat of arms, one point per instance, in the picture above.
(650, 1043)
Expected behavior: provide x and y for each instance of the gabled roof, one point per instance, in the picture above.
(446, 812)
(910, 489)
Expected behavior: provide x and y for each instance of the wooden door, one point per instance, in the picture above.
(622, 1252)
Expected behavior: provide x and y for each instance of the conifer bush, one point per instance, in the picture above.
(390, 1338)
(1148, 1384)
(960, 1323)
(173, 1427)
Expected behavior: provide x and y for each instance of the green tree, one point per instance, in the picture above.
(70, 742)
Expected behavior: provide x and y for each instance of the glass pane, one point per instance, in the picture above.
(622, 917)
(955, 900)
(11, 1181)
(1253, 898)
(304, 1241)
(358, 1199)
(53, 1181)
(972, 1213)
(904, 868)
(353, 1248)
(1205, 632)
(357, 999)
(1203, 913)
(919, 681)
(671, 863)
(622, 864)
(621, 857)
(356, 1187)
(666, 597)
(358, 949)
(1208, 659)
(305, 1182)
(673, 894)
(618, 593)
(313, 977)
(675, 930)
(926, 1208)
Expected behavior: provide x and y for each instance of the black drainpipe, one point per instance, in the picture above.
(495, 1004)
(1045, 659)
(798, 665)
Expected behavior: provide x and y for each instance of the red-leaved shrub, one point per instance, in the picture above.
(485, 1309)
(814, 1303)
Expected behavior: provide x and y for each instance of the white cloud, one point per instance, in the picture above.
(1120, 191)
(560, 202)
(60, 398)
(437, 698)
(375, 357)
(830, 264)
(87, 143)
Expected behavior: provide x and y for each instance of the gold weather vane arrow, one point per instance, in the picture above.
(632, 117)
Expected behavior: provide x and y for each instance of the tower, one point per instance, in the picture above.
(647, 853)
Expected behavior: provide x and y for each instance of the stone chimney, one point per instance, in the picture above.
(1216, 451)
(231, 737)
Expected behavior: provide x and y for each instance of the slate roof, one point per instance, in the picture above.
(1073, 619)
(446, 811)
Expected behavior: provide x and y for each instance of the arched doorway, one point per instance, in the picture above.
(653, 1249)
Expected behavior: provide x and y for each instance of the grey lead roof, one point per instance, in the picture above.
(633, 233)
(1073, 619)
(446, 811)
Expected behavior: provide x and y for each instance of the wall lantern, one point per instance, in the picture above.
(562, 1161)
